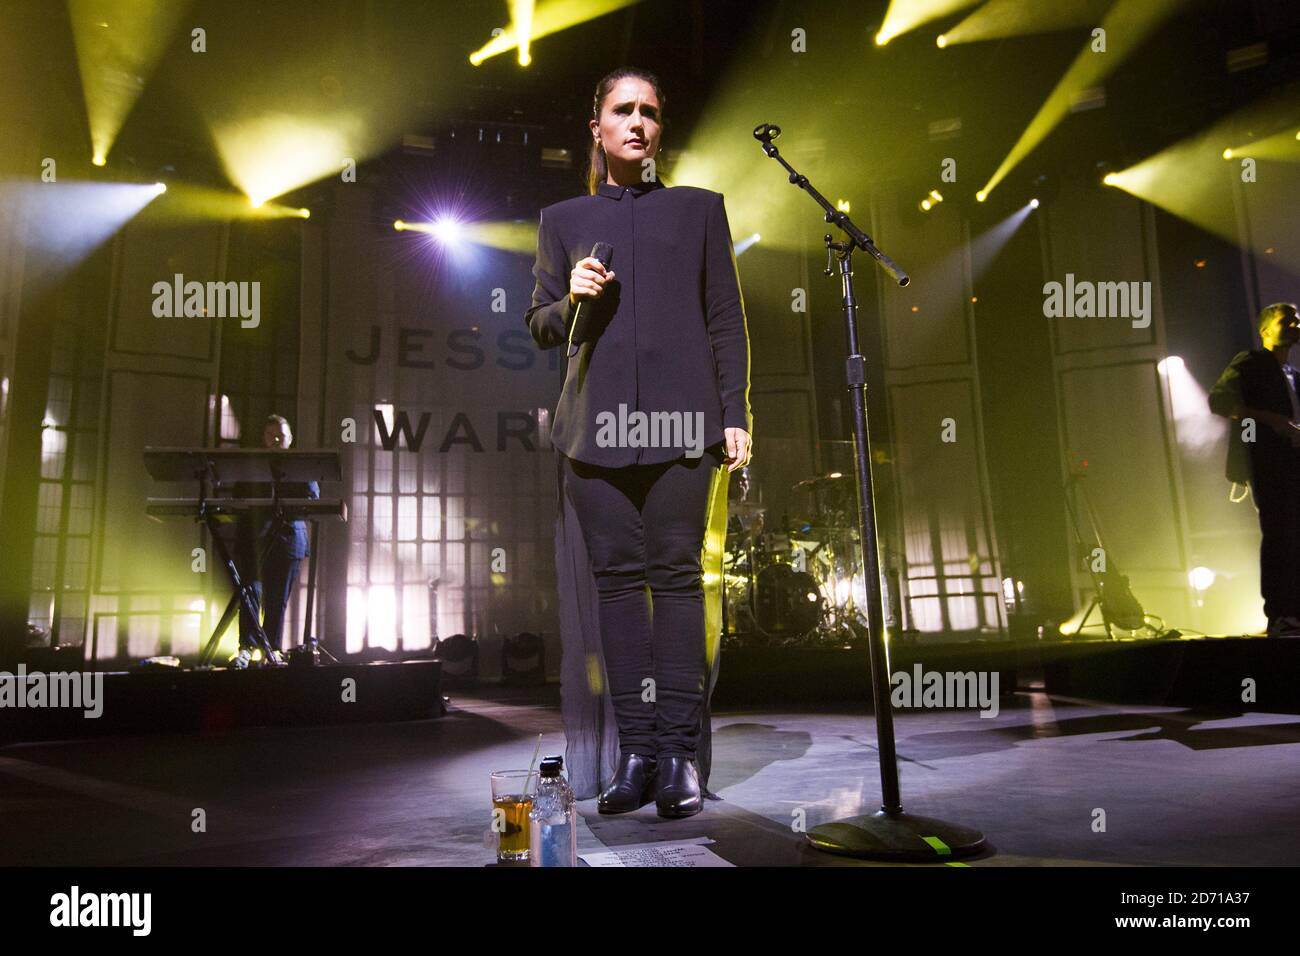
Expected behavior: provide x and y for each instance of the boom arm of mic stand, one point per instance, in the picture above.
(863, 242)
(838, 217)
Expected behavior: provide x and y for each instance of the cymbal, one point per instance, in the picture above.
(819, 479)
(822, 532)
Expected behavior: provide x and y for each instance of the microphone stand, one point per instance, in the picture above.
(889, 834)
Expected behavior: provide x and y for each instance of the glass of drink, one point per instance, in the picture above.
(512, 798)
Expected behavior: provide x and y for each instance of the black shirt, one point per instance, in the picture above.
(1256, 380)
(668, 335)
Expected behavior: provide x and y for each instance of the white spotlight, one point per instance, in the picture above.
(1174, 363)
(447, 229)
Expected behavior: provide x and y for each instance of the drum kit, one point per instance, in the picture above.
(797, 581)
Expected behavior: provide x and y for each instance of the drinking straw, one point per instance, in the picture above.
(532, 763)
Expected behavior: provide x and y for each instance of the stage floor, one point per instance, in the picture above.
(1177, 787)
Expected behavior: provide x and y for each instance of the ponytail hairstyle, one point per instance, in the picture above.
(597, 168)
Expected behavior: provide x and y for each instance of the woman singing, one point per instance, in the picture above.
(655, 403)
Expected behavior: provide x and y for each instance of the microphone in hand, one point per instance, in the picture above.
(603, 253)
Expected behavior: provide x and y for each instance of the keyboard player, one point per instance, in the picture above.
(285, 545)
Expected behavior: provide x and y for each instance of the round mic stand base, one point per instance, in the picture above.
(896, 837)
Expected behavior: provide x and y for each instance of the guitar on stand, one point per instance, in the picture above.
(215, 469)
(1112, 595)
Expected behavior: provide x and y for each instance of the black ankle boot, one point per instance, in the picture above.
(631, 787)
(678, 790)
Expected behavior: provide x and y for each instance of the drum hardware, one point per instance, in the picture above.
(801, 584)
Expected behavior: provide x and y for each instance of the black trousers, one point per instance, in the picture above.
(644, 528)
(273, 586)
(1276, 491)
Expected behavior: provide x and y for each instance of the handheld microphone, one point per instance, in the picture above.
(604, 253)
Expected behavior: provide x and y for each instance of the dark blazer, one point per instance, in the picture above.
(1255, 379)
(668, 334)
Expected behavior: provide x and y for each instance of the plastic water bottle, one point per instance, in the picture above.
(552, 822)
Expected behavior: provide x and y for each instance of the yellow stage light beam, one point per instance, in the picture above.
(275, 153)
(439, 229)
(509, 236)
(118, 43)
(188, 203)
(1281, 146)
(905, 15)
(271, 210)
(1182, 181)
(521, 24)
(1126, 26)
(1190, 180)
(548, 18)
(286, 108)
(721, 154)
(998, 19)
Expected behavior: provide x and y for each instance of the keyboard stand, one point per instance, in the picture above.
(243, 596)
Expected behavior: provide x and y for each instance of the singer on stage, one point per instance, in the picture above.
(658, 329)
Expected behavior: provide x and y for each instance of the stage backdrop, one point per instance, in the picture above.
(946, 549)
(1107, 375)
(416, 364)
